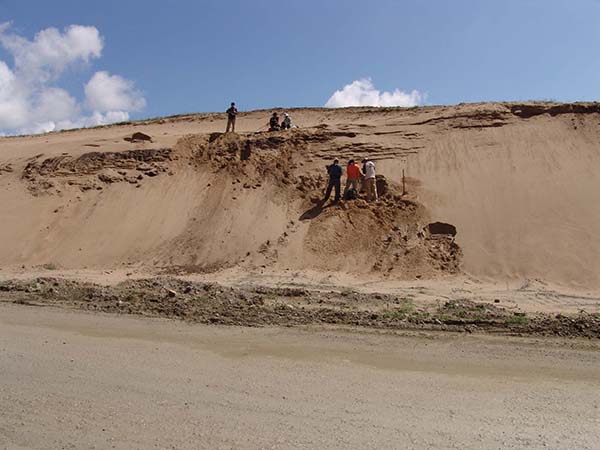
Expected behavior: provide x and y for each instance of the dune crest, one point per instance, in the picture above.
(494, 191)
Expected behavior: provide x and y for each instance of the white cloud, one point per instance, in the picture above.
(105, 92)
(94, 119)
(363, 93)
(13, 102)
(54, 104)
(51, 52)
(30, 100)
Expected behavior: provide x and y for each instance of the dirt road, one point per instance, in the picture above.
(74, 380)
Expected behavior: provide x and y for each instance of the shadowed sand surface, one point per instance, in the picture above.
(77, 380)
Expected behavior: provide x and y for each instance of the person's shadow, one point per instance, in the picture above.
(314, 211)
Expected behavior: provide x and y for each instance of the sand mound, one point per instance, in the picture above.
(243, 206)
(387, 237)
(496, 191)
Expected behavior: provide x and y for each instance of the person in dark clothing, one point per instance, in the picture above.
(231, 114)
(335, 177)
(274, 122)
(246, 151)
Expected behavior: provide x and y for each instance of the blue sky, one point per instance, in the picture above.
(187, 56)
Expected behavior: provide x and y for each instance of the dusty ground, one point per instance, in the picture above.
(74, 380)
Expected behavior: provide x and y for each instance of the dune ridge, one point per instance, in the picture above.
(518, 182)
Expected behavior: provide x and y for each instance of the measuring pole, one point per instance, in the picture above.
(403, 184)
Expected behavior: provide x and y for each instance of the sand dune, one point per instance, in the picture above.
(519, 182)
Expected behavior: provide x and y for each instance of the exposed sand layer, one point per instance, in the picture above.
(518, 182)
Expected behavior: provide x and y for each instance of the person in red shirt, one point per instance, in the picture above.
(353, 174)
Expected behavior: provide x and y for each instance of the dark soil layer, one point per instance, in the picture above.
(261, 306)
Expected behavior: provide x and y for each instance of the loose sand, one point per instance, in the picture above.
(519, 182)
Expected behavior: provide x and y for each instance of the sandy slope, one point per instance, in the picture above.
(519, 182)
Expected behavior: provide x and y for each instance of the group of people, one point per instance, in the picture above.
(357, 179)
(285, 124)
(274, 123)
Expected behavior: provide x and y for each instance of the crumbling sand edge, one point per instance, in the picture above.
(211, 303)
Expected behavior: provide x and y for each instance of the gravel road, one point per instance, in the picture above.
(75, 380)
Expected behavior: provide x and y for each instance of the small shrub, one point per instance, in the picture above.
(394, 314)
(517, 319)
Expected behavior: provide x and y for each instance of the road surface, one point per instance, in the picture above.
(74, 380)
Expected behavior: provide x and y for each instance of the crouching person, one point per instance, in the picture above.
(353, 175)
(274, 122)
(286, 123)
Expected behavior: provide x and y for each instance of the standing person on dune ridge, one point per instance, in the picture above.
(231, 115)
(335, 176)
(370, 185)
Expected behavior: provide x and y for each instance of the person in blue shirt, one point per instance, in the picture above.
(335, 181)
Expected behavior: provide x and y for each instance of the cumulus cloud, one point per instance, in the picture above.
(51, 52)
(105, 92)
(363, 93)
(13, 102)
(54, 104)
(31, 100)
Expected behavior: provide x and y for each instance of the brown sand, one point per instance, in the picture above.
(519, 183)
